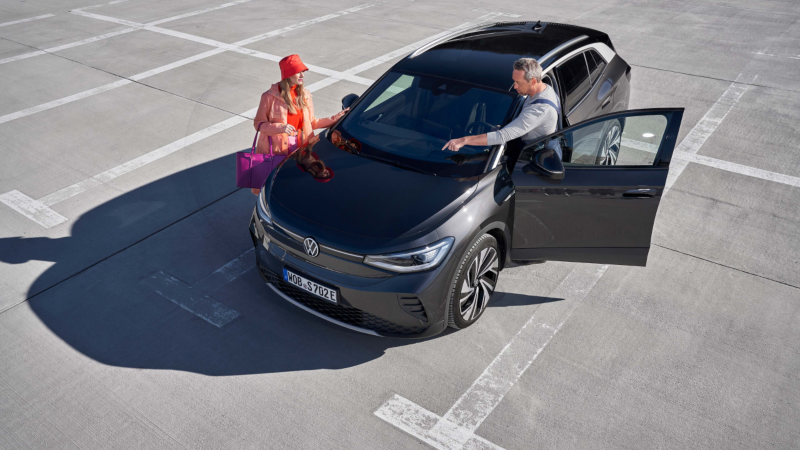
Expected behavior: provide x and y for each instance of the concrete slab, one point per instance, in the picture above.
(252, 18)
(332, 48)
(58, 30)
(681, 345)
(733, 220)
(229, 81)
(45, 78)
(144, 11)
(9, 49)
(134, 52)
(115, 136)
(761, 132)
(696, 350)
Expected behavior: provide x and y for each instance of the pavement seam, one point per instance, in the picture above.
(121, 250)
(727, 266)
(714, 78)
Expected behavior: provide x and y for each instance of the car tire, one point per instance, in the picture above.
(610, 143)
(474, 282)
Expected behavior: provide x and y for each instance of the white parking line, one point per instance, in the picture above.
(149, 73)
(456, 430)
(29, 19)
(32, 209)
(229, 47)
(706, 126)
(147, 158)
(197, 298)
(59, 48)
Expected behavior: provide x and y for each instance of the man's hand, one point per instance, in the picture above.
(455, 144)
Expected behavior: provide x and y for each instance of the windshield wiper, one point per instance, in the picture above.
(396, 163)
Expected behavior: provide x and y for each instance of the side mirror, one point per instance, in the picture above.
(348, 100)
(546, 162)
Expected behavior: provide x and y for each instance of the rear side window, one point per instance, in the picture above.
(575, 75)
(596, 65)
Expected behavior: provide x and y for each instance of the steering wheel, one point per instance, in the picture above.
(479, 123)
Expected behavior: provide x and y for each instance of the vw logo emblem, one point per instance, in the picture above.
(312, 249)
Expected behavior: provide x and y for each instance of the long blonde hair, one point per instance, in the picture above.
(287, 96)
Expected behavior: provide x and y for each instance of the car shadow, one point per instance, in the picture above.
(106, 315)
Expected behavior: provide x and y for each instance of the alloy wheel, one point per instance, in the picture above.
(611, 145)
(479, 284)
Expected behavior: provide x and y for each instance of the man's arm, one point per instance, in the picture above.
(455, 144)
(527, 120)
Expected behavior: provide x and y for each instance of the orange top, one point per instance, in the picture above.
(296, 119)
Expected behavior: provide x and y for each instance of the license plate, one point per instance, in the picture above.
(309, 286)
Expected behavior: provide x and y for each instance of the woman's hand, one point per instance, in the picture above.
(288, 129)
(339, 115)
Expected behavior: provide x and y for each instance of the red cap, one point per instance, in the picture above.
(291, 65)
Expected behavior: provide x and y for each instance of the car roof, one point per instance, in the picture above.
(485, 55)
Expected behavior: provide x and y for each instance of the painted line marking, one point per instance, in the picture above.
(706, 127)
(101, 5)
(738, 168)
(419, 422)
(29, 19)
(150, 73)
(496, 13)
(456, 429)
(32, 209)
(228, 47)
(143, 160)
(113, 33)
(197, 298)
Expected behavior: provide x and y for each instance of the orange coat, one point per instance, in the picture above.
(273, 111)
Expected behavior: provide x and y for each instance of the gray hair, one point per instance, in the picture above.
(531, 67)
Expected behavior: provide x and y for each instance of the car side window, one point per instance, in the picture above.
(596, 65)
(575, 77)
(626, 141)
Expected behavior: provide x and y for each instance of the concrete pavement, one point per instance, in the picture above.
(120, 136)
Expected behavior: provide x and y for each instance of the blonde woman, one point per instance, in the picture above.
(286, 112)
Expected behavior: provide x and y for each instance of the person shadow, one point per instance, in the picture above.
(92, 299)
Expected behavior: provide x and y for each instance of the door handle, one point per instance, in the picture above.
(606, 103)
(639, 193)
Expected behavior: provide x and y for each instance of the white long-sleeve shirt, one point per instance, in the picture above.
(534, 121)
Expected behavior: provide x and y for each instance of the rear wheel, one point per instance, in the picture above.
(610, 143)
(474, 282)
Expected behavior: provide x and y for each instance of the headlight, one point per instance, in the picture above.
(263, 209)
(413, 260)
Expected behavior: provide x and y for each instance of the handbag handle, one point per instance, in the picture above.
(255, 139)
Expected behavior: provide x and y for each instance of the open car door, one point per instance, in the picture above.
(597, 202)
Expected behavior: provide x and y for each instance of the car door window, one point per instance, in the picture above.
(575, 77)
(596, 65)
(622, 141)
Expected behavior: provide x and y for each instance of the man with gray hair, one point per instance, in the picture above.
(540, 115)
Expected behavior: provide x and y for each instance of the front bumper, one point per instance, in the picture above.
(370, 301)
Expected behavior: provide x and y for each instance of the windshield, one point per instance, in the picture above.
(407, 119)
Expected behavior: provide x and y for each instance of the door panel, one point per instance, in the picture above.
(604, 208)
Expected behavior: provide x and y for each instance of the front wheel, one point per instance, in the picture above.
(474, 282)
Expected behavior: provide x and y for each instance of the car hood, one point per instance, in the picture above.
(360, 197)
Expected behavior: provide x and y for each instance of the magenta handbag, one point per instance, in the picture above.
(252, 168)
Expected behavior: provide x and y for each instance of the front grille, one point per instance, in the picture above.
(342, 313)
